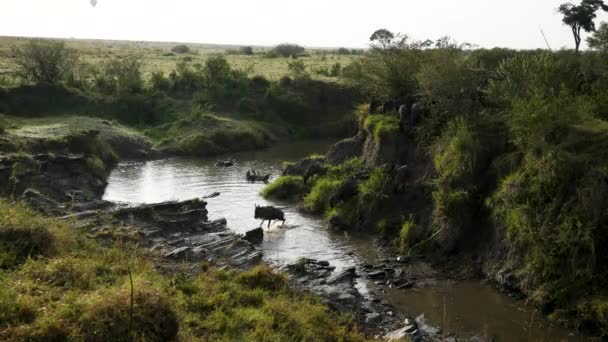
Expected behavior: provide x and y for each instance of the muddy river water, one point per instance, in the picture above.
(465, 308)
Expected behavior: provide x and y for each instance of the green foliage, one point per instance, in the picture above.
(537, 123)
(385, 75)
(321, 193)
(405, 240)
(284, 188)
(246, 50)
(374, 189)
(181, 48)
(287, 50)
(381, 125)
(24, 235)
(450, 88)
(297, 68)
(528, 75)
(206, 134)
(456, 151)
(120, 77)
(383, 227)
(599, 39)
(158, 82)
(45, 61)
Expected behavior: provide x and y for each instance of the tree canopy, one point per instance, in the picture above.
(581, 17)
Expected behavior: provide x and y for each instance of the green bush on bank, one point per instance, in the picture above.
(381, 125)
(285, 188)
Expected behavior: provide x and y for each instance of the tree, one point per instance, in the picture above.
(288, 50)
(384, 39)
(246, 50)
(181, 48)
(45, 61)
(599, 39)
(581, 17)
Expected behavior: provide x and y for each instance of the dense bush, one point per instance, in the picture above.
(120, 77)
(181, 48)
(45, 61)
(287, 50)
(286, 187)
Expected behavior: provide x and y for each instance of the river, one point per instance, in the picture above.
(464, 308)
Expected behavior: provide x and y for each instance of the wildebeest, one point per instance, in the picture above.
(269, 213)
(253, 176)
(314, 170)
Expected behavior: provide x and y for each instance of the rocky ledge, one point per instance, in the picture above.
(340, 292)
(178, 231)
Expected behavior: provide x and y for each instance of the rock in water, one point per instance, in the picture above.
(255, 235)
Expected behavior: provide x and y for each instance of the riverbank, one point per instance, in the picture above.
(383, 185)
(147, 272)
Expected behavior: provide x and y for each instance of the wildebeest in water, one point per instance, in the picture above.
(269, 213)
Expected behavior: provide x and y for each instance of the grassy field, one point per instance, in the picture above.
(157, 56)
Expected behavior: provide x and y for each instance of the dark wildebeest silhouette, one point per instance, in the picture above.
(253, 176)
(269, 213)
(314, 170)
(374, 105)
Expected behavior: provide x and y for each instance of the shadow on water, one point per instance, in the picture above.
(467, 307)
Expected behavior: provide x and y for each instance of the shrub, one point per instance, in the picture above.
(14, 310)
(322, 191)
(297, 68)
(181, 48)
(246, 50)
(537, 122)
(374, 189)
(528, 75)
(262, 277)
(381, 125)
(105, 315)
(336, 70)
(158, 82)
(286, 187)
(288, 50)
(120, 77)
(45, 61)
(405, 240)
(23, 235)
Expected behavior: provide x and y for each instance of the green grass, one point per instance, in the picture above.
(59, 285)
(381, 125)
(204, 134)
(317, 200)
(285, 188)
(407, 228)
(155, 58)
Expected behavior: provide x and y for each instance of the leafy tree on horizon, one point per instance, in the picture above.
(581, 17)
(599, 39)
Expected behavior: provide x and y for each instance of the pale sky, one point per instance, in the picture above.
(319, 23)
